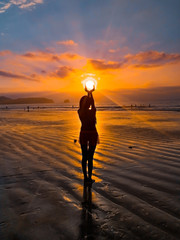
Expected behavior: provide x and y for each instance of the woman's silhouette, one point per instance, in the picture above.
(88, 134)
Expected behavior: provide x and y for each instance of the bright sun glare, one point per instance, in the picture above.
(89, 82)
(89, 85)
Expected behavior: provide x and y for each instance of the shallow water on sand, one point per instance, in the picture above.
(136, 169)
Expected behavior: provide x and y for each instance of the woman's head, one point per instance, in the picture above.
(85, 102)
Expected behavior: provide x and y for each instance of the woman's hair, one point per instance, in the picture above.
(85, 102)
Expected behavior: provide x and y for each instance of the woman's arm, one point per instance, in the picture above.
(90, 95)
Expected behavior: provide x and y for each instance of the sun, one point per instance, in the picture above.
(89, 85)
(89, 81)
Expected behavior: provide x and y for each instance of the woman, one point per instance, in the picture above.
(88, 134)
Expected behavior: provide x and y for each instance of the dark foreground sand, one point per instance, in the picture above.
(136, 167)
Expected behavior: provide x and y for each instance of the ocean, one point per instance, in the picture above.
(102, 107)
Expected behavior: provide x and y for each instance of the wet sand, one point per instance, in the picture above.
(136, 167)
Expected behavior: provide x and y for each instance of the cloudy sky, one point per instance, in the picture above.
(49, 44)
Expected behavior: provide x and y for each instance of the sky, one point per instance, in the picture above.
(49, 45)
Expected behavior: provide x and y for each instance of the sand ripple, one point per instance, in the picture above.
(136, 168)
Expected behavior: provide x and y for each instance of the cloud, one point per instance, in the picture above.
(56, 69)
(67, 43)
(112, 50)
(19, 3)
(152, 59)
(41, 56)
(102, 65)
(63, 71)
(17, 76)
(5, 7)
(47, 56)
(149, 59)
(146, 65)
(29, 55)
(46, 66)
(5, 52)
(71, 56)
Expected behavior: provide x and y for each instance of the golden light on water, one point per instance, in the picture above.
(89, 81)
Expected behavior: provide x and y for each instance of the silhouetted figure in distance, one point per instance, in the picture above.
(88, 134)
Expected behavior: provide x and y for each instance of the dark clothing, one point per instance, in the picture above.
(88, 137)
(88, 134)
(88, 119)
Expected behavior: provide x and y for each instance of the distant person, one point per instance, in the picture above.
(88, 134)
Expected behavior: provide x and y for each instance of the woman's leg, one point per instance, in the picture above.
(90, 159)
(84, 159)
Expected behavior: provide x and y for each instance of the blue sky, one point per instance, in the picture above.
(136, 24)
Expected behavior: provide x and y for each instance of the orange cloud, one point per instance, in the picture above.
(5, 52)
(41, 56)
(47, 56)
(146, 66)
(112, 50)
(67, 43)
(57, 70)
(102, 65)
(62, 72)
(152, 59)
(149, 59)
(71, 56)
(17, 76)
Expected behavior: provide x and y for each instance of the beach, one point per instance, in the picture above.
(136, 194)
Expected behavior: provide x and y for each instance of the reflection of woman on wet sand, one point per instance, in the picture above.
(88, 134)
(88, 227)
